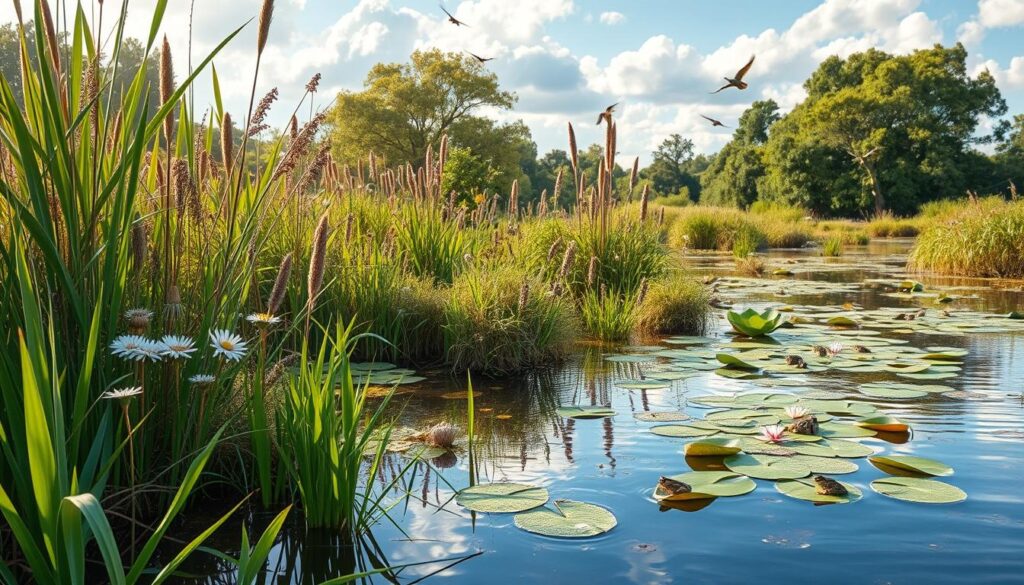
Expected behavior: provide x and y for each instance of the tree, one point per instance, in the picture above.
(732, 177)
(1009, 158)
(669, 171)
(901, 127)
(468, 175)
(407, 106)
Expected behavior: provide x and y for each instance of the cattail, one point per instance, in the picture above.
(592, 271)
(167, 88)
(661, 216)
(513, 200)
(558, 186)
(610, 145)
(313, 84)
(349, 223)
(138, 244)
(524, 296)
(284, 273)
(633, 174)
(644, 196)
(256, 124)
(442, 154)
(553, 250)
(181, 180)
(643, 292)
(226, 142)
(567, 260)
(317, 259)
(266, 15)
(51, 36)
(574, 156)
(372, 161)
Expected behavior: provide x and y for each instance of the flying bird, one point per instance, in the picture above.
(713, 121)
(738, 82)
(479, 58)
(452, 19)
(607, 114)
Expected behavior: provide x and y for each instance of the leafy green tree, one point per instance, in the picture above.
(900, 128)
(1009, 158)
(468, 174)
(669, 172)
(732, 177)
(404, 107)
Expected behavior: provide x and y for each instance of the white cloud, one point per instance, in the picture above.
(1000, 13)
(1012, 77)
(612, 18)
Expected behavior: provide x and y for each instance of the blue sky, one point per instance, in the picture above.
(567, 59)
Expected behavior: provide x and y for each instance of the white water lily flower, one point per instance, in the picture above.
(122, 393)
(835, 348)
(263, 320)
(227, 345)
(772, 433)
(796, 411)
(177, 347)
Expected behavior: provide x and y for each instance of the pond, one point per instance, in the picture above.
(975, 426)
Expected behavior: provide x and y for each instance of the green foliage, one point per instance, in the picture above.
(732, 176)
(977, 241)
(608, 316)
(467, 174)
(673, 168)
(676, 304)
(832, 247)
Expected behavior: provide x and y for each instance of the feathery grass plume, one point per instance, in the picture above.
(184, 187)
(115, 132)
(442, 156)
(634, 174)
(278, 370)
(557, 187)
(167, 88)
(644, 197)
(315, 169)
(542, 205)
(574, 155)
(567, 260)
(592, 271)
(609, 148)
(266, 15)
(349, 222)
(372, 160)
(227, 142)
(284, 273)
(299, 146)
(317, 259)
(643, 291)
(138, 245)
(661, 216)
(256, 124)
(513, 200)
(90, 90)
(524, 296)
(553, 250)
(51, 36)
(314, 83)
(293, 128)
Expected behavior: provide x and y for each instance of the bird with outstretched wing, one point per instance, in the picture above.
(737, 81)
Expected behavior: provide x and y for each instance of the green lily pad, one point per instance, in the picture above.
(804, 489)
(502, 498)
(371, 366)
(914, 464)
(683, 431)
(844, 431)
(732, 361)
(569, 519)
(712, 447)
(884, 423)
(766, 466)
(662, 416)
(630, 358)
(645, 385)
(849, 449)
(842, 322)
(708, 484)
(913, 489)
(891, 393)
(827, 465)
(754, 324)
(584, 412)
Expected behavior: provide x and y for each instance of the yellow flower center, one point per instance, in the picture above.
(227, 345)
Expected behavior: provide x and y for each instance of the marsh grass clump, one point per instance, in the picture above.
(974, 243)
(608, 316)
(887, 225)
(832, 247)
(747, 240)
(751, 266)
(500, 320)
(675, 304)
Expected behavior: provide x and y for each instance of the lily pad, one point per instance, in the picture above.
(891, 393)
(844, 322)
(754, 324)
(766, 466)
(501, 498)
(913, 464)
(645, 385)
(708, 484)
(662, 416)
(732, 361)
(568, 519)
(884, 423)
(913, 489)
(683, 431)
(712, 447)
(827, 465)
(584, 412)
(844, 431)
(804, 489)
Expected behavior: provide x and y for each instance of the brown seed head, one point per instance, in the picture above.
(284, 273)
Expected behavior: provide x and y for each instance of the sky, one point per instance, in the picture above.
(568, 59)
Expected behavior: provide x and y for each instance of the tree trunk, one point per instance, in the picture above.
(876, 188)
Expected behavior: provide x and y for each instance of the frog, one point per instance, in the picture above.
(795, 360)
(674, 486)
(860, 349)
(828, 487)
(820, 350)
(805, 425)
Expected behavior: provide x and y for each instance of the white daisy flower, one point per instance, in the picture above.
(227, 345)
(202, 380)
(177, 347)
(131, 347)
(122, 393)
(263, 320)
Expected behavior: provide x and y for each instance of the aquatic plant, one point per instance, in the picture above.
(675, 304)
(753, 324)
(974, 243)
(832, 247)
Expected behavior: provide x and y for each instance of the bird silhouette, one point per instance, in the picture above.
(713, 121)
(452, 19)
(737, 82)
(606, 114)
(479, 58)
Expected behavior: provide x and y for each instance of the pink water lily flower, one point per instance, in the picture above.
(772, 433)
(795, 412)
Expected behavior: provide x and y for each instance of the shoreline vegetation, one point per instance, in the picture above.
(193, 307)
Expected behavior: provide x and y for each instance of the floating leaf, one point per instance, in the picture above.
(662, 416)
(766, 466)
(829, 465)
(731, 361)
(682, 431)
(842, 322)
(645, 385)
(805, 489)
(499, 498)
(569, 519)
(884, 423)
(371, 366)
(754, 324)
(913, 489)
(891, 393)
(845, 431)
(708, 484)
(712, 447)
(630, 358)
(848, 449)
(584, 412)
(914, 464)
